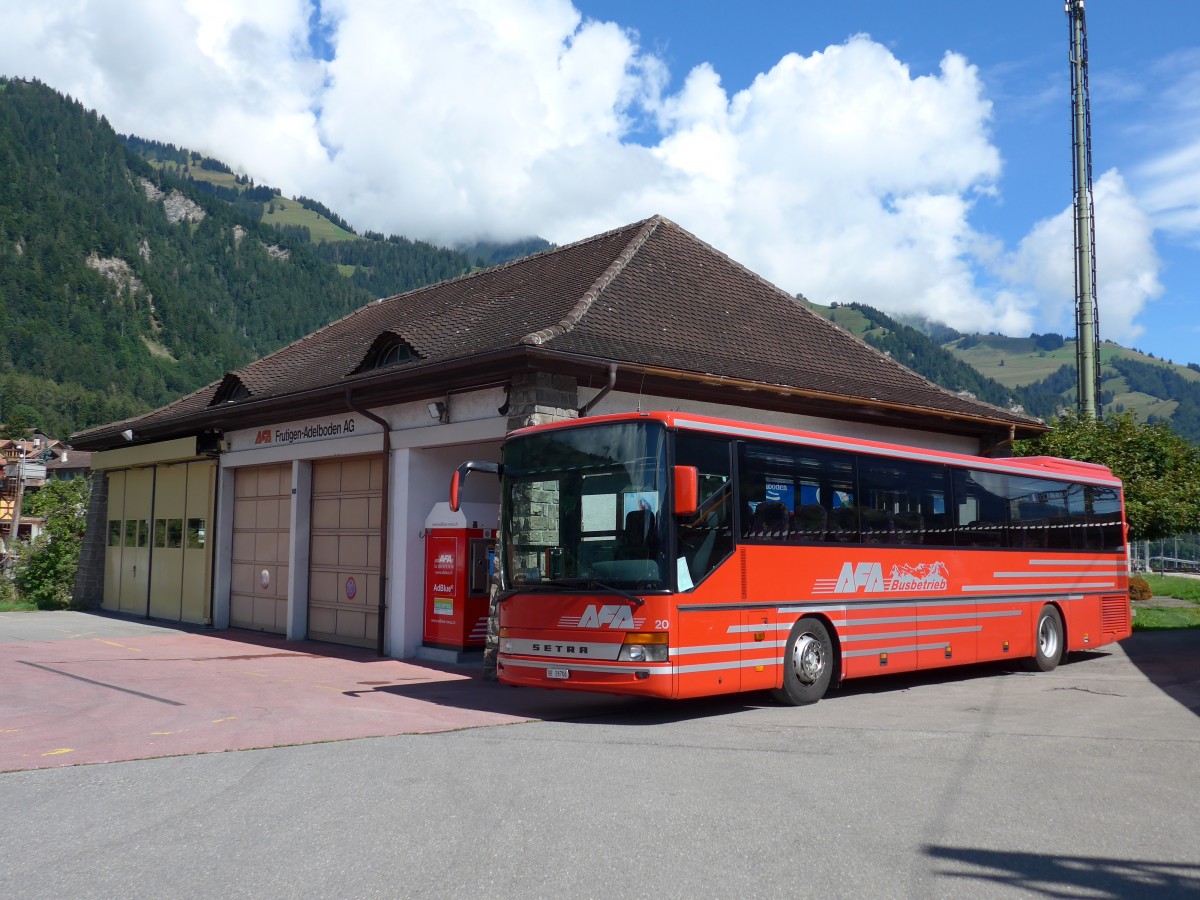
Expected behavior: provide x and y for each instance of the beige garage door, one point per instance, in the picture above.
(343, 588)
(262, 513)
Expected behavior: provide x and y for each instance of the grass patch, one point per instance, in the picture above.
(7, 605)
(1174, 586)
(1164, 619)
(290, 212)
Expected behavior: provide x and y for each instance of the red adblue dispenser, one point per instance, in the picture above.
(460, 557)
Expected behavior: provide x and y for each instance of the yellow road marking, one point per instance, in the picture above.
(59, 752)
(227, 719)
(159, 733)
(115, 644)
(9, 730)
(328, 687)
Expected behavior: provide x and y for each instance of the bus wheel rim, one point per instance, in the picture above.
(808, 658)
(1047, 638)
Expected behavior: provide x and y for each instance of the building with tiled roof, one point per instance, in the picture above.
(645, 316)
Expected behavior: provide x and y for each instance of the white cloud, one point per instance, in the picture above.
(1126, 270)
(839, 174)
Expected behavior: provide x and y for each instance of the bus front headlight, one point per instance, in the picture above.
(644, 647)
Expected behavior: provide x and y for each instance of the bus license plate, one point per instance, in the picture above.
(561, 674)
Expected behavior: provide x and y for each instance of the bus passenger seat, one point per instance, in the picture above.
(772, 519)
(810, 522)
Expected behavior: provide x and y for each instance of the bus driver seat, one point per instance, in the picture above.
(638, 538)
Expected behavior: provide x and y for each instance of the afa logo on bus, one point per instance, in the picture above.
(614, 616)
(868, 578)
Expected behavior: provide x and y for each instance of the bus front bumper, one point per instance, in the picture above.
(641, 679)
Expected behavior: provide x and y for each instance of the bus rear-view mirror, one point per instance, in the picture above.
(687, 490)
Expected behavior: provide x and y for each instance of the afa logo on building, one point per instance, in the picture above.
(869, 578)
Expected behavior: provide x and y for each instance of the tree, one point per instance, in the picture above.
(46, 571)
(1161, 470)
(21, 420)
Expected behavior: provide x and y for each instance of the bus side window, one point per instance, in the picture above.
(706, 538)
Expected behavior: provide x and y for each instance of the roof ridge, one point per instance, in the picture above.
(819, 318)
(509, 264)
(579, 310)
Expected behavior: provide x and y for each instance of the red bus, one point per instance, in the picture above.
(675, 555)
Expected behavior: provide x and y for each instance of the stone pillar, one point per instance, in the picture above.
(88, 591)
(534, 399)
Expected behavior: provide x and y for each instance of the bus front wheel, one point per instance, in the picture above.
(1049, 640)
(807, 664)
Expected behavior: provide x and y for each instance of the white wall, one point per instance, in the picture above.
(624, 402)
(421, 478)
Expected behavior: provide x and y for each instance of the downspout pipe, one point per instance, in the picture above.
(383, 515)
(612, 382)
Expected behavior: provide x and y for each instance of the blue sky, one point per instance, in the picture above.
(914, 156)
(1144, 61)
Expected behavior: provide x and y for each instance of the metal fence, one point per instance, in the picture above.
(1180, 553)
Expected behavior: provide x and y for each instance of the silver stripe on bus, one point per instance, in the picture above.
(843, 623)
(601, 650)
(909, 648)
(1092, 574)
(716, 667)
(653, 672)
(622, 669)
(883, 603)
(1038, 587)
(889, 635)
(850, 623)
(725, 648)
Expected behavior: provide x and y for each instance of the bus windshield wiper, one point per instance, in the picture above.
(557, 584)
(585, 583)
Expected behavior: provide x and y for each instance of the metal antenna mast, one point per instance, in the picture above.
(1087, 317)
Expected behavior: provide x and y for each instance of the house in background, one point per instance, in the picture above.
(24, 470)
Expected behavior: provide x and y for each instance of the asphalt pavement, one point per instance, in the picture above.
(986, 781)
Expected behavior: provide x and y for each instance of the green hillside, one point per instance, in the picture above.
(1036, 373)
(133, 272)
(124, 286)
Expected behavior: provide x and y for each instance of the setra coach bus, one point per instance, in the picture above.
(676, 555)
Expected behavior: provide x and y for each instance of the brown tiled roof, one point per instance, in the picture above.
(647, 295)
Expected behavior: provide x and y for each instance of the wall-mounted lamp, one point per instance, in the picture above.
(439, 410)
(127, 434)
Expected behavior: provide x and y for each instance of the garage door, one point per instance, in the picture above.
(180, 558)
(262, 512)
(343, 588)
(127, 554)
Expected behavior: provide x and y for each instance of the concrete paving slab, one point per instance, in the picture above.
(88, 688)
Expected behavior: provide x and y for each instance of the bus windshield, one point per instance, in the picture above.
(583, 508)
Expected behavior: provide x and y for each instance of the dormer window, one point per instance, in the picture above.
(231, 389)
(389, 349)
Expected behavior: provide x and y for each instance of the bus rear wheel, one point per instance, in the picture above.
(1049, 640)
(807, 664)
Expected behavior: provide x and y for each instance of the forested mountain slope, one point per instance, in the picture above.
(133, 272)
(1036, 373)
(125, 283)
